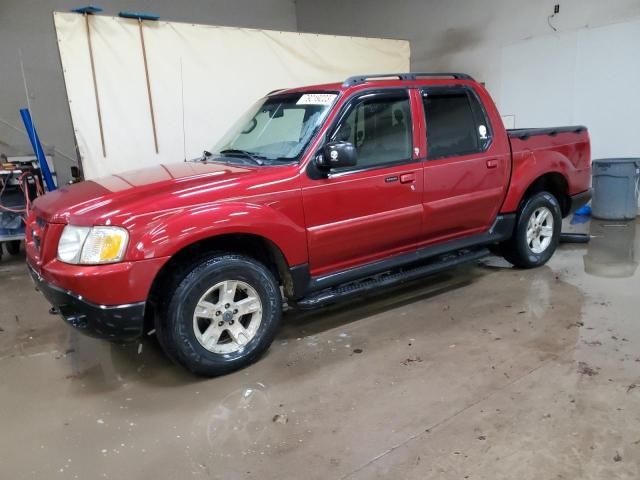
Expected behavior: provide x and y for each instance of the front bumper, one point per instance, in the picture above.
(119, 323)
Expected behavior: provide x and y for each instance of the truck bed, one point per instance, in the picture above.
(563, 152)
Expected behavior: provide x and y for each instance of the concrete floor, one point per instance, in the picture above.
(482, 373)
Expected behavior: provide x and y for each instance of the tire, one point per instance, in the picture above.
(520, 251)
(13, 247)
(204, 329)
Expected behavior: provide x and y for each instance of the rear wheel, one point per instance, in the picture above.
(537, 232)
(221, 316)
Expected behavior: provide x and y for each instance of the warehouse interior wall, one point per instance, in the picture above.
(459, 34)
(444, 35)
(541, 69)
(27, 25)
(564, 79)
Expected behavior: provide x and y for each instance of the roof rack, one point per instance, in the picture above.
(356, 79)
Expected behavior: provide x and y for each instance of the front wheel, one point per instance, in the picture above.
(537, 232)
(221, 316)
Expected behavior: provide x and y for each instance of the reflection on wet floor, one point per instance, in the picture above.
(436, 378)
(613, 250)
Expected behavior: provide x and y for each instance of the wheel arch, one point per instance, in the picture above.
(553, 182)
(254, 246)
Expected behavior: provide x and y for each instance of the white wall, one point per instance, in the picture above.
(465, 35)
(28, 25)
(586, 76)
(586, 72)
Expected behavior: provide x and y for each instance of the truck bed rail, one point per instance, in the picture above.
(524, 133)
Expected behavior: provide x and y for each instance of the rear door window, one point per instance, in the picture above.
(456, 124)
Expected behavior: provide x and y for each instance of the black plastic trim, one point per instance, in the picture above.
(392, 278)
(524, 133)
(119, 323)
(379, 166)
(578, 200)
(501, 230)
(300, 277)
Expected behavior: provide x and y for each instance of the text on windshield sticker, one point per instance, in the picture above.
(316, 99)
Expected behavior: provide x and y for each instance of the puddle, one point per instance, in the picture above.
(613, 250)
(240, 419)
(339, 386)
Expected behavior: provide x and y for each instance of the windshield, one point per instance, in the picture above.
(278, 127)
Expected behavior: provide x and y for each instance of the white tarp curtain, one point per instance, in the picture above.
(219, 71)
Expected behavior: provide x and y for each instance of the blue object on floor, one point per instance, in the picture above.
(139, 15)
(577, 219)
(585, 210)
(37, 149)
(89, 9)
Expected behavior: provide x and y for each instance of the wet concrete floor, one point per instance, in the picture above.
(484, 372)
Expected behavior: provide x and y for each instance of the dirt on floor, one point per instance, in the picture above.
(484, 372)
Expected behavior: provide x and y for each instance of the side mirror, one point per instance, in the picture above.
(337, 155)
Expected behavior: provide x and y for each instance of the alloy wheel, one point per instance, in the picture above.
(227, 316)
(540, 230)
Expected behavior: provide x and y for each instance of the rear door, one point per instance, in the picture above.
(467, 168)
(358, 214)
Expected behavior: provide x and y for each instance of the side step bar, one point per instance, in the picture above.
(393, 277)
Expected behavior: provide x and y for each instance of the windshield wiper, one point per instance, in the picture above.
(246, 154)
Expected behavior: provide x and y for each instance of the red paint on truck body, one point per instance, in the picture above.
(330, 224)
(568, 154)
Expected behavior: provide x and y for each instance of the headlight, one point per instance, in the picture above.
(71, 242)
(92, 245)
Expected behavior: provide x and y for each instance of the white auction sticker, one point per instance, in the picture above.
(316, 99)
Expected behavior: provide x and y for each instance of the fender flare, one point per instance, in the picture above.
(172, 233)
(528, 170)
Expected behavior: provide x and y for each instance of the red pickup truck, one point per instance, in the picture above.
(315, 195)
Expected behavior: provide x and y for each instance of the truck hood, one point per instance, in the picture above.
(102, 200)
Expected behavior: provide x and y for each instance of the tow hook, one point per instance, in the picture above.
(54, 311)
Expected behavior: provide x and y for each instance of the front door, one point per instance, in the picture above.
(359, 214)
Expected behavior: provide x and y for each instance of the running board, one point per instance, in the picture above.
(389, 278)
